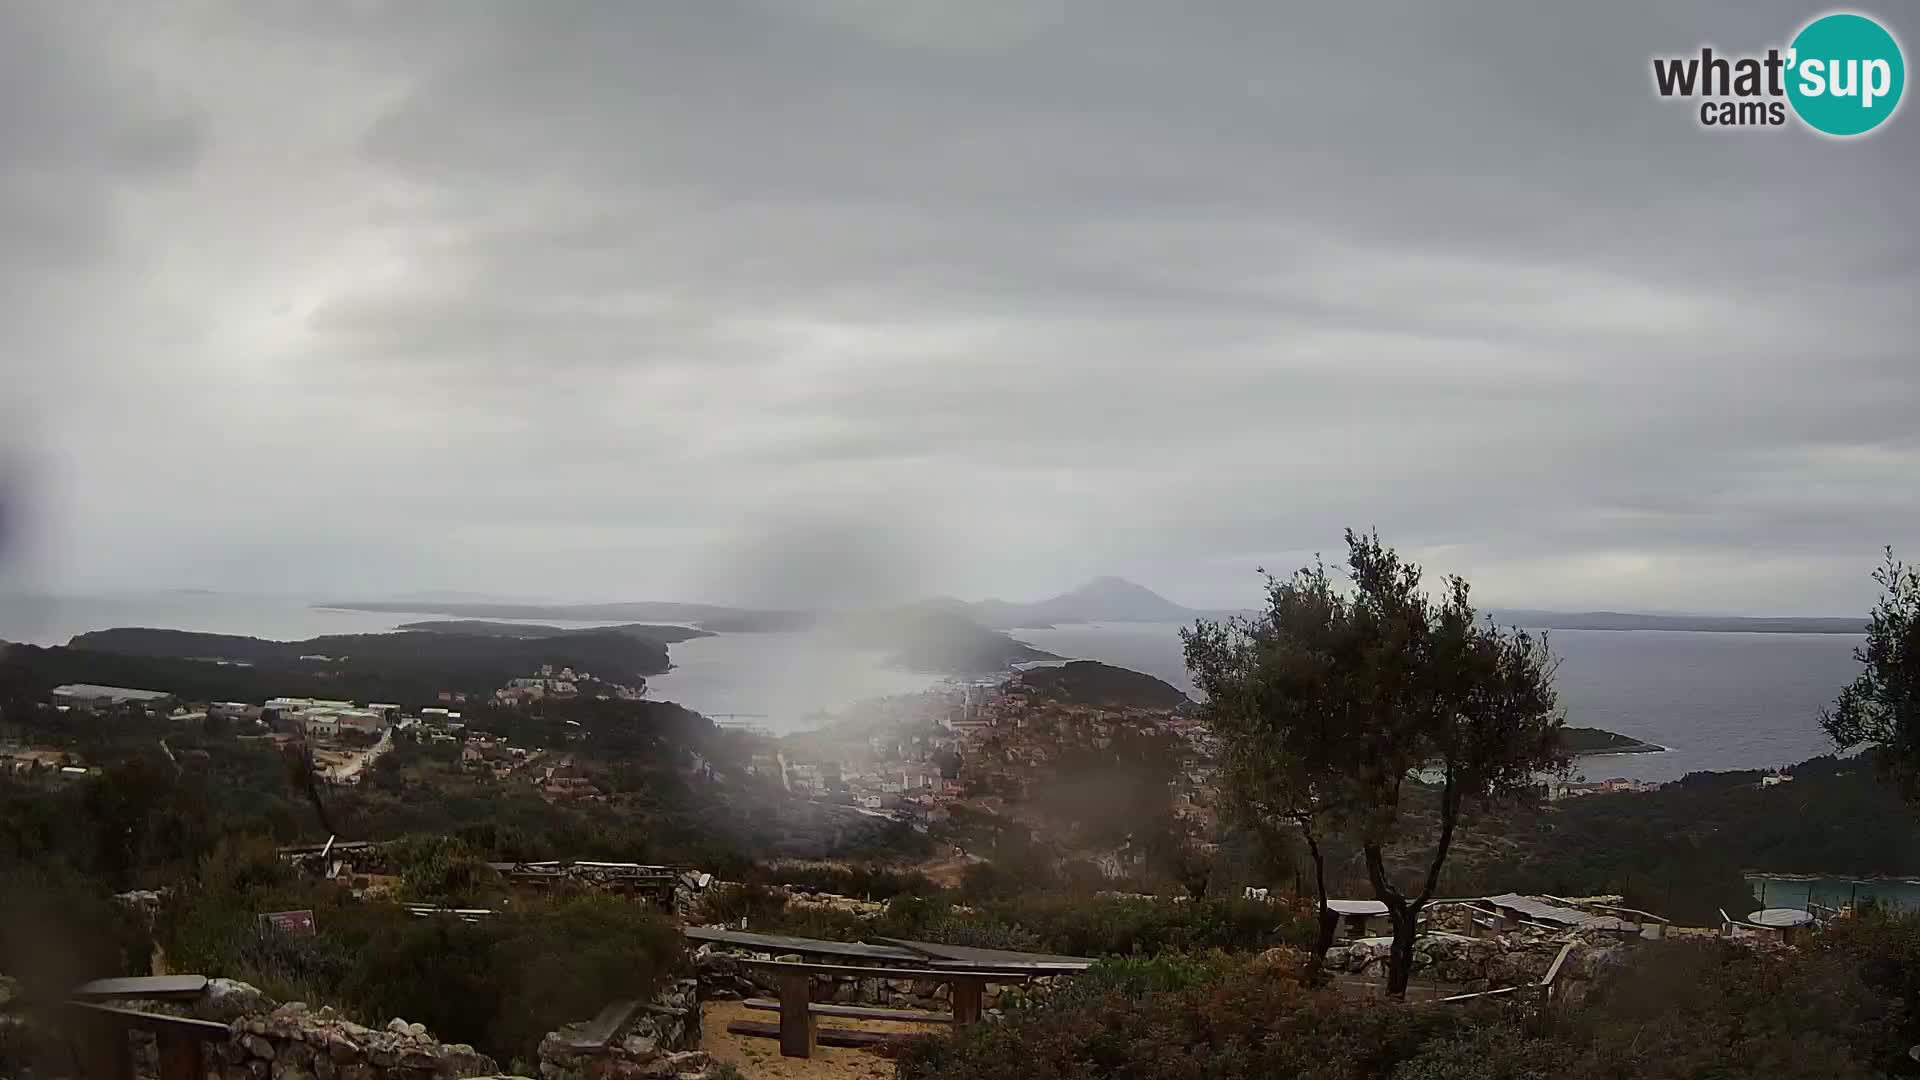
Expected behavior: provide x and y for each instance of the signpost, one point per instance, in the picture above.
(290, 923)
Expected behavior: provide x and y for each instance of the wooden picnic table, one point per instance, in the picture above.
(799, 1032)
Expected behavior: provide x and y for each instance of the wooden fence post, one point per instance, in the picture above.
(180, 1055)
(106, 1055)
(966, 999)
(796, 1014)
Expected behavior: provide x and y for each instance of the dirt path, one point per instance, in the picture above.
(759, 1059)
(356, 763)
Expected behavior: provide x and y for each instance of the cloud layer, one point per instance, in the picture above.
(764, 302)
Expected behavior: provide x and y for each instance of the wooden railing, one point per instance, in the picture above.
(1544, 987)
(97, 1032)
(99, 1035)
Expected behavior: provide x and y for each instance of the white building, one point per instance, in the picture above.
(362, 720)
(93, 696)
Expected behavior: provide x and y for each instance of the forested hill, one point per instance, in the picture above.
(664, 635)
(608, 652)
(1712, 624)
(1586, 740)
(1088, 682)
(1682, 850)
(410, 668)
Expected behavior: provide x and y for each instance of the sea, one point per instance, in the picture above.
(1802, 892)
(1716, 701)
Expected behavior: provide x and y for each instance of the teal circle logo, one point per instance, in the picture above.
(1845, 74)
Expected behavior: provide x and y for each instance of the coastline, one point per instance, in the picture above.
(1637, 748)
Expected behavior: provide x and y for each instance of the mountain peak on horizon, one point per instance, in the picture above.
(1110, 598)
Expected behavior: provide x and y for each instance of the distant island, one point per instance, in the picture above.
(913, 637)
(661, 635)
(1587, 742)
(934, 642)
(706, 616)
(405, 667)
(1711, 624)
(1103, 599)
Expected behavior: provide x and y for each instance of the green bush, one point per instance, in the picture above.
(1883, 949)
(58, 929)
(1134, 976)
(498, 983)
(1105, 926)
(442, 870)
(759, 905)
(871, 882)
(1075, 925)
(503, 982)
(1677, 1010)
(1246, 1025)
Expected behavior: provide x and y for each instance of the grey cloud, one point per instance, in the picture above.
(735, 300)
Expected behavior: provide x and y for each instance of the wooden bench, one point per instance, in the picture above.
(843, 1037)
(798, 1030)
(858, 1012)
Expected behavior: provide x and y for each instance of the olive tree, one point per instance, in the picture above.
(1276, 712)
(1338, 707)
(1881, 707)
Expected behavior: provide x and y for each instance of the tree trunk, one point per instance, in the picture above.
(1329, 919)
(1404, 917)
(1400, 960)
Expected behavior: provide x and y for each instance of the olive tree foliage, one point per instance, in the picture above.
(1274, 704)
(1881, 707)
(1338, 702)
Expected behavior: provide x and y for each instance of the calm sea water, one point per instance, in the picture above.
(1718, 701)
(780, 680)
(1799, 892)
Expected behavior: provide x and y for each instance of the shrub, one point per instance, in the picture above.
(871, 882)
(1248, 1024)
(1105, 926)
(728, 904)
(1134, 976)
(442, 870)
(505, 981)
(57, 929)
(499, 983)
(1678, 1010)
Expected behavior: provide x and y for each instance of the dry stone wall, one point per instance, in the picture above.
(271, 1041)
(296, 1043)
(1476, 964)
(660, 1039)
(724, 977)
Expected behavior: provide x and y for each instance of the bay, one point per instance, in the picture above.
(1717, 701)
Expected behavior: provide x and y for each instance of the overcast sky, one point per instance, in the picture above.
(870, 298)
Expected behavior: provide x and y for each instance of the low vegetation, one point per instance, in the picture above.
(1706, 1009)
(1073, 924)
